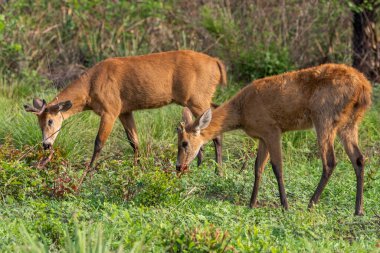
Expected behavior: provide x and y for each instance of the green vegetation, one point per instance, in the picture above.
(56, 38)
(121, 207)
(150, 208)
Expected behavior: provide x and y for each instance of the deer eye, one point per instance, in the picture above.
(50, 122)
(185, 144)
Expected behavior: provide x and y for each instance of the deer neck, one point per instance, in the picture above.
(77, 92)
(224, 118)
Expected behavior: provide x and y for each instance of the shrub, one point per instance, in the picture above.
(261, 61)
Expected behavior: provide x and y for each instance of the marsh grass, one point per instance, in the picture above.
(146, 208)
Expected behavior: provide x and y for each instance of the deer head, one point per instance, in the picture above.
(190, 139)
(50, 119)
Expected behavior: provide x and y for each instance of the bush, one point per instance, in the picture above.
(260, 62)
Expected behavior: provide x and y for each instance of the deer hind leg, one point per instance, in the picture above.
(129, 125)
(106, 123)
(273, 142)
(349, 137)
(218, 154)
(326, 137)
(261, 159)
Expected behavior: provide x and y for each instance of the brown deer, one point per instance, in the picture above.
(332, 98)
(116, 87)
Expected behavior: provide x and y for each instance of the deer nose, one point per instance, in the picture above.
(46, 145)
(178, 167)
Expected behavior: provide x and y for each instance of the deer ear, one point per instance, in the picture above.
(65, 106)
(187, 116)
(203, 121)
(61, 107)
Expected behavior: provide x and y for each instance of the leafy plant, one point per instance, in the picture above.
(262, 61)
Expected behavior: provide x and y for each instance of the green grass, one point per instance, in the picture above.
(142, 208)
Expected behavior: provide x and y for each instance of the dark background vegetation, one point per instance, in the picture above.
(58, 39)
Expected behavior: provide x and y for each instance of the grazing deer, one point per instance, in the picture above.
(116, 87)
(333, 98)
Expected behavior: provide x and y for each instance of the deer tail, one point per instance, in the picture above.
(223, 73)
(364, 98)
(363, 101)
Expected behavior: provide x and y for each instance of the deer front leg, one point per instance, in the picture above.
(218, 148)
(106, 123)
(130, 129)
(218, 154)
(200, 156)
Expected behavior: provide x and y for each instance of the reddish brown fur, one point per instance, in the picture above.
(116, 87)
(333, 98)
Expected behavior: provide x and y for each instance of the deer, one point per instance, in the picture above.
(332, 98)
(115, 87)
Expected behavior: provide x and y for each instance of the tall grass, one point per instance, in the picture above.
(83, 240)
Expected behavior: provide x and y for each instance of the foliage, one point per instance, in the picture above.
(364, 5)
(59, 39)
(261, 62)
